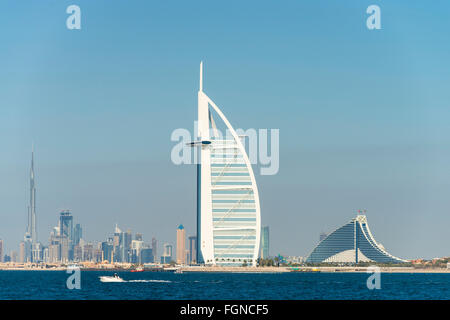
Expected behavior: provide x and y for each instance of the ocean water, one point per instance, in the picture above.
(161, 285)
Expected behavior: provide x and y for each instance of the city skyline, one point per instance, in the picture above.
(362, 116)
(30, 249)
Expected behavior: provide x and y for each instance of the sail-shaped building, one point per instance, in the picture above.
(228, 210)
(351, 243)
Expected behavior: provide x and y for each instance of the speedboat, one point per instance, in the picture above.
(114, 278)
(138, 269)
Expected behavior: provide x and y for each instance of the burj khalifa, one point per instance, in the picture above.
(30, 239)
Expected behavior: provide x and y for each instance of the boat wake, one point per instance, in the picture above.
(162, 281)
(117, 279)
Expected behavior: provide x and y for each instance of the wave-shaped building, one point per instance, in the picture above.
(228, 211)
(351, 243)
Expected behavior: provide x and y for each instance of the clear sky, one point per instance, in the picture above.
(363, 115)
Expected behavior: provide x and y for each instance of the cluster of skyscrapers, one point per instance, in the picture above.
(66, 243)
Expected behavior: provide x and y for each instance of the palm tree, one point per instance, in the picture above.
(277, 260)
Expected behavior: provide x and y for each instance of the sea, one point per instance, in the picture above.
(52, 285)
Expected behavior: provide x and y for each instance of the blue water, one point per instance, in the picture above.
(158, 285)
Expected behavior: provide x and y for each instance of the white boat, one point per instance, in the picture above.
(114, 278)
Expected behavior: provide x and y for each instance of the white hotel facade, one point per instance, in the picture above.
(228, 210)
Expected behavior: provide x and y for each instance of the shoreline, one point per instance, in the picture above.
(210, 269)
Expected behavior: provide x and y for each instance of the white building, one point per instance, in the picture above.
(228, 210)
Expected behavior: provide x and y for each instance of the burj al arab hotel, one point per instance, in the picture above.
(228, 211)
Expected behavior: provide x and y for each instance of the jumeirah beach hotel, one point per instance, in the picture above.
(228, 210)
(351, 243)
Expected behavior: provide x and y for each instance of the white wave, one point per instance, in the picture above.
(161, 281)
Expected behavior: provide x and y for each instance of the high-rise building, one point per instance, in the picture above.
(77, 234)
(66, 224)
(126, 250)
(351, 243)
(66, 235)
(54, 246)
(1, 250)
(136, 247)
(30, 238)
(107, 250)
(146, 255)
(264, 254)
(154, 248)
(22, 255)
(181, 245)
(192, 249)
(168, 250)
(89, 252)
(167, 254)
(45, 255)
(28, 248)
(77, 253)
(13, 256)
(117, 242)
(228, 210)
(36, 251)
(138, 236)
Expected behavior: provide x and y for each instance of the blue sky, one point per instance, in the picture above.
(363, 115)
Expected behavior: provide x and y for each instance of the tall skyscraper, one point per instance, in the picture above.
(66, 224)
(167, 253)
(192, 249)
(168, 250)
(22, 257)
(181, 245)
(264, 254)
(54, 245)
(1, 250)
(30, 238)
(28, 245)
(117, 242)
(77, 234)
(136, 247)
(154, 249)
(128, 237)
(66, 235)
(32, 208)
(228, 210)
(13, 256)
(146, 255)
